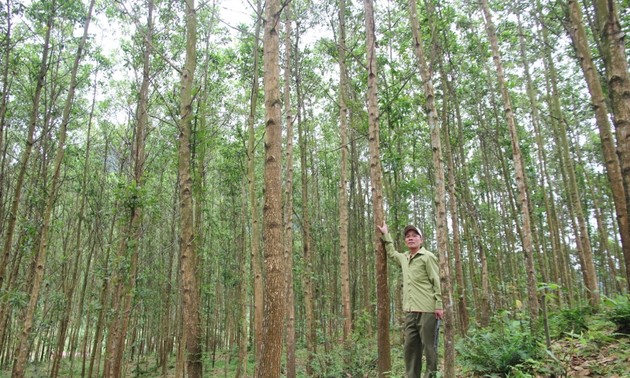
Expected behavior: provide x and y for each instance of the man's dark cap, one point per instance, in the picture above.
(411, 227)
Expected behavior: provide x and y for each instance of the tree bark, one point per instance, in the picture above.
(614, 167)
(63, 326)
(288, 198)
(460, 291)
(519, 170)
(256, 260)
(190, 286)
(241, 370)
(21, 353)
(270, 360)
(343, 176)
(307, 249)
(376, 176)
(6, 85)
(440, 193)
(124, 279)
(618, 77)
(26, 154)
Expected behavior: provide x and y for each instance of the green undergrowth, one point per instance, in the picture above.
(584, 343)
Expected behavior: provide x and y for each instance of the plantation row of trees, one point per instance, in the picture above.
(180, 185)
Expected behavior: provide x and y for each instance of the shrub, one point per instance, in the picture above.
(501, 349)
(620, 314)
(570, 321)
(356, 359)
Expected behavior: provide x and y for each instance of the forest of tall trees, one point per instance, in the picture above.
(187, 185)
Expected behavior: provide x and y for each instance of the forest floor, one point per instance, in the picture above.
(582, 357)
(597, 352)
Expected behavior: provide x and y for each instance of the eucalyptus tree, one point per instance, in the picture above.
(54, 187)
(256, 260)
(270, 360)
(125, 272)
(189, 261)
(28, 146)
(618, 80)
(343, 174)
(577, 214)
(578, 36)
(559, 269)
(306, 165)
(6, 86)
(288, 197)
(49, 12)
(53, 183)
(376, 175)
(440, 194)
(451, 99)
(519, 169)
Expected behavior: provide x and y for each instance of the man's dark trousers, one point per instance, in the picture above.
(420, 338)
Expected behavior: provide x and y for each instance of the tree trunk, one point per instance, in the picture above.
(124, 279)
(343, 176)
(24, 344)
(63, 326)
(241, 370)
(23, 167)
(4, 98)
(103, 299)
(26, 154)
(519, 171)
(618, 76)
(256, 260)
(307, 281)
(376, 176)
(575, 208)
(460, 291)
(288, 204)
(440, 193)
(270, 361)
(613, 167)
(190, 287)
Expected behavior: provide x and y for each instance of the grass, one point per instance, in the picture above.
(584, 344)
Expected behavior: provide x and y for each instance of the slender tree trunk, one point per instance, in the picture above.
(575, 208)
(6, 85)
(124, 279)
(542, 176)
(168, 329)
(190, 286)
(519, 171)
(241, 370)
(23, 167)
(26, 154)
(288, 204)
(307, 281)
(256, 260)
(550, 208)
(460, 291)
(104, 295)
(92, 242)
(275, 288)
(440, 194)
(376, 175)
(343, 175)
(23, 348)
(613, 167)
(618, 77)
(63, 327)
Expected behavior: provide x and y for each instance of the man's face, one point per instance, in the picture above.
(413, 240)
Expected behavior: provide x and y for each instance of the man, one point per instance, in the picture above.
(422, 300)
